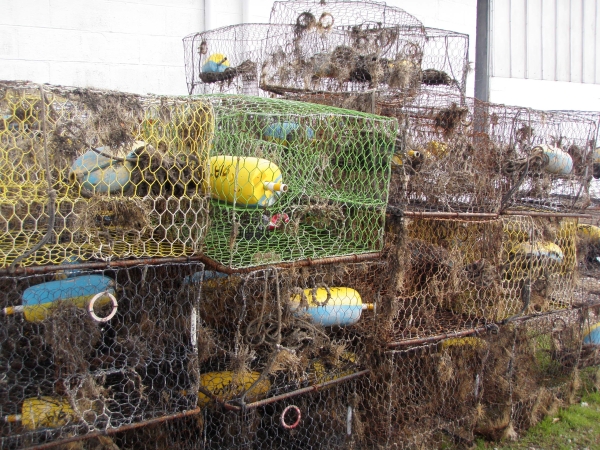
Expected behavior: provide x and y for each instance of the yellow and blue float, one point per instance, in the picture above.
(544, 251)
(100, 174)
(216, 63)
(592, 335)
(245, 180)
(285, 133)
(82, 291)
(342, 306)
(558, 162)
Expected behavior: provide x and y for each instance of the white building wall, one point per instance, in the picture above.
(135, 45)
(128, 45)
(546, 53)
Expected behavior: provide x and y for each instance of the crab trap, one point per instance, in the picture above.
(531, 370)
(546, 157)
(292, 181)
(342, 47)
(99, 174)
(228, 59)
(283, 357)
(88, 351)
(463, 275)
(431, 395)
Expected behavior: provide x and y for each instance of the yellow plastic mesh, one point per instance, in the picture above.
(98, 174)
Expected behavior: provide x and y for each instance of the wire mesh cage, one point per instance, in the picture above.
(445, 61)
(462, 275)
(432, 394)
(531, 370)
(547, 157)
(100, 174)
(86, 351)
(319, 59)
(444, 162)
(292, 181)
(340, 13)
(451, 280)
(228, 59)
(282, 357)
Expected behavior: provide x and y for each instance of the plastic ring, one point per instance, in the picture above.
(90, 307)
(285, 411)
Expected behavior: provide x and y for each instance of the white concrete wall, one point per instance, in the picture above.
(128, 45)
(135, 45)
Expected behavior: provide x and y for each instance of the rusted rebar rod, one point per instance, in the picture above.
(111, 431)
(437, 337)
(34, 270)
(314, 387)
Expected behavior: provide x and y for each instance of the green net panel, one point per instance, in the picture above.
(292, 181)
(88, 351)
(99, 174)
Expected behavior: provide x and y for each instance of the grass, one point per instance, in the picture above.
(573, 427)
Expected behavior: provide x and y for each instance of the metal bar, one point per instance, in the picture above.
(111, 431)
(437, 337)
(183, 259)
(546, 214)
(96, 265)
(315, 387)
(449, 214)
(482, 66)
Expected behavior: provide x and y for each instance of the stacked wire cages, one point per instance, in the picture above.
(91, 351)
(284, 356)
(292, 181)
(100, 175)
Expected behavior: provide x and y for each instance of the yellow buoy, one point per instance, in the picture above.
(541, 250)
(343, 308)
(43, 412)
(228, 385)
(245, 180)
(589, 231)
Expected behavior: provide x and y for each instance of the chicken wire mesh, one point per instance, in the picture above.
(341, 14)
(99, 174)
(468, 274)
(277, 373)
(432, 393)
(292, 181)
(322, 59)
(531, 370)
(463, 155)
(88, 350)
(228, 59)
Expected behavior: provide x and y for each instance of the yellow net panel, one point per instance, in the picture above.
(97, 174)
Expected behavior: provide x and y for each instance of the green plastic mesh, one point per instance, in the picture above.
(336, 168)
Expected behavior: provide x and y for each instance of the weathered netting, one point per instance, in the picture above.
(531, 370)
(228, 59)
(329, 171)
(466, 274)
(463, 155)
(86, 350)
(316, 59)
(100, 174)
